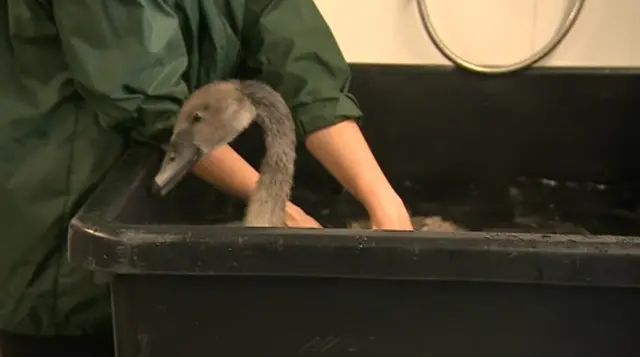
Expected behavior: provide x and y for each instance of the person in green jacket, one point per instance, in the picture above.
(82, 80)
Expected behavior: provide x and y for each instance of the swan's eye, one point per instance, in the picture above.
(197, 117)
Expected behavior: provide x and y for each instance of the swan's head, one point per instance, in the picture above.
(212, 117)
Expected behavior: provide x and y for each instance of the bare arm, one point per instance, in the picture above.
(343, 151)
(228, 171)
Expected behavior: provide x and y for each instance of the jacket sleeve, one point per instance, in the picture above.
(288, 45)
(127, 58)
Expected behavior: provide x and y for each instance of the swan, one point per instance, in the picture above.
(214, 115)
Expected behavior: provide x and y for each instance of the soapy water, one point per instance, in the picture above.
(432, 223)
(524, 206)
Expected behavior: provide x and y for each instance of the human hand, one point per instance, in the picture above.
(390, 213)
(297, 218)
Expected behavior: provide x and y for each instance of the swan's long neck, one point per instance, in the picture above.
(266, 207)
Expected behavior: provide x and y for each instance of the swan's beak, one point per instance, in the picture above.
(181, 154)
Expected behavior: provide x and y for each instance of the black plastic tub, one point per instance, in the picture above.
(541, 169)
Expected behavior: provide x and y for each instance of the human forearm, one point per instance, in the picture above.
(229, 172)
(342, 149)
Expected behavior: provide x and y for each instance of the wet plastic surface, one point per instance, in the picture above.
(551, 265)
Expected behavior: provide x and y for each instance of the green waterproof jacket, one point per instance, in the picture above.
(80, 80)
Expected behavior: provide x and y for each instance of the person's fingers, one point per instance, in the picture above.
(313, 224)
(302, 220)
(392, 224)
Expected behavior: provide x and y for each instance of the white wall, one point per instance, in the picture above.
(485, 31)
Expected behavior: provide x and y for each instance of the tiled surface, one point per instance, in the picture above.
(487, 31)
